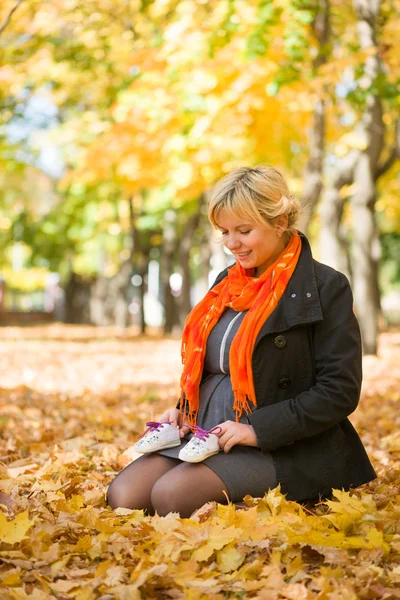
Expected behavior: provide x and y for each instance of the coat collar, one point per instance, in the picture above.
(300, 302)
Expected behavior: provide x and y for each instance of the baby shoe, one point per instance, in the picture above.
(203, 444)
(158, 436)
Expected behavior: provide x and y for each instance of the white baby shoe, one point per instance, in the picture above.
(203, 444)
(158, 436)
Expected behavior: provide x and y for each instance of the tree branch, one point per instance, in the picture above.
(135, 239)
(8, 17)
(393, 156)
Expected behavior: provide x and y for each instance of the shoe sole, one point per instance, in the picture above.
(162, 446)
(196, 459)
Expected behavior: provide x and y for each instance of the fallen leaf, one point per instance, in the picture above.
(14, 531)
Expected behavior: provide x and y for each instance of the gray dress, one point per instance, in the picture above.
(245, 469)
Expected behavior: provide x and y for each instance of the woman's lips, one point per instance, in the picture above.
(244, 255)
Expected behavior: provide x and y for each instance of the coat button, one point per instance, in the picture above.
(280, 341)
(284, 383)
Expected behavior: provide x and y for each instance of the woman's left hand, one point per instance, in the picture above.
(233, 434)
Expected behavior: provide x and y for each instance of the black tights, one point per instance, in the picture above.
(160, 484)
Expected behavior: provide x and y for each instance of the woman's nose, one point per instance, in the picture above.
(232, 243)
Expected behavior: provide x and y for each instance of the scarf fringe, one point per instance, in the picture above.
(189, 417)
(242, 403)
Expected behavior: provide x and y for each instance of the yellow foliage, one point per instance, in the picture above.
(14, 531)
(272, 548)
(26, 280)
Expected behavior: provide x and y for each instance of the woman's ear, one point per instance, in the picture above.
(281, 224)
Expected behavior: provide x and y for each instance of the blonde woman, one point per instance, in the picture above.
(271, 370)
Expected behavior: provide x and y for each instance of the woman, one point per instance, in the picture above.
(272, 357)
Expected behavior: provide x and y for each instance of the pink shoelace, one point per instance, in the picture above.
(202, 434)
(153, 426)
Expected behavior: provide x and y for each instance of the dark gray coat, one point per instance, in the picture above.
(307, 375)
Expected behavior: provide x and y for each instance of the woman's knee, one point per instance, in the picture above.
(123, 493)
(165, 496)
(132, 487)
(186, 489)
(118, 496)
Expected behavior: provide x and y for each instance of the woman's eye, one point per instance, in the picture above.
(242, 232)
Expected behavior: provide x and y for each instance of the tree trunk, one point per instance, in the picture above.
(365, 280)
(363, 201)
(110, 298)
(144, 265)
(77, 300)
(167, 266)
(363, 168)
(333, 245)
(205, 261)
(184, 304)
(98, 302)
(186, 243)
(314, 168)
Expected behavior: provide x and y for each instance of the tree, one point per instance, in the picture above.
(361, 167)
(313, 172)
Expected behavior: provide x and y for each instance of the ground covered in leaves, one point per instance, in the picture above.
(72, 402)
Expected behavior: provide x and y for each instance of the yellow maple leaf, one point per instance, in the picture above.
(348, 510)
(218, 537)
(85, 594)
(11, 579)
(102, 568)
(12, 532)
(375, 539)
(229, 558)
(59, 566)
(84, 543)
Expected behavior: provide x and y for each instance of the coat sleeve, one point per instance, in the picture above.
(338, 369)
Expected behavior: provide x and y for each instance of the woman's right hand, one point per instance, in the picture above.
(175, 416)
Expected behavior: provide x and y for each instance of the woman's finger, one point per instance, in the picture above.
(226, 441)
(184, 430)
(172, 415)
(222, 439)
(229, 445)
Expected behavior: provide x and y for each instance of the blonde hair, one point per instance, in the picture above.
(260, 194)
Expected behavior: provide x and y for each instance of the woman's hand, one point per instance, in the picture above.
(233, 434)
(175, 416)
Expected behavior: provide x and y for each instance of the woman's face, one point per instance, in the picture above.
(253, 245)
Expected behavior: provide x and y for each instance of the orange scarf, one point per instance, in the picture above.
(241, 292)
